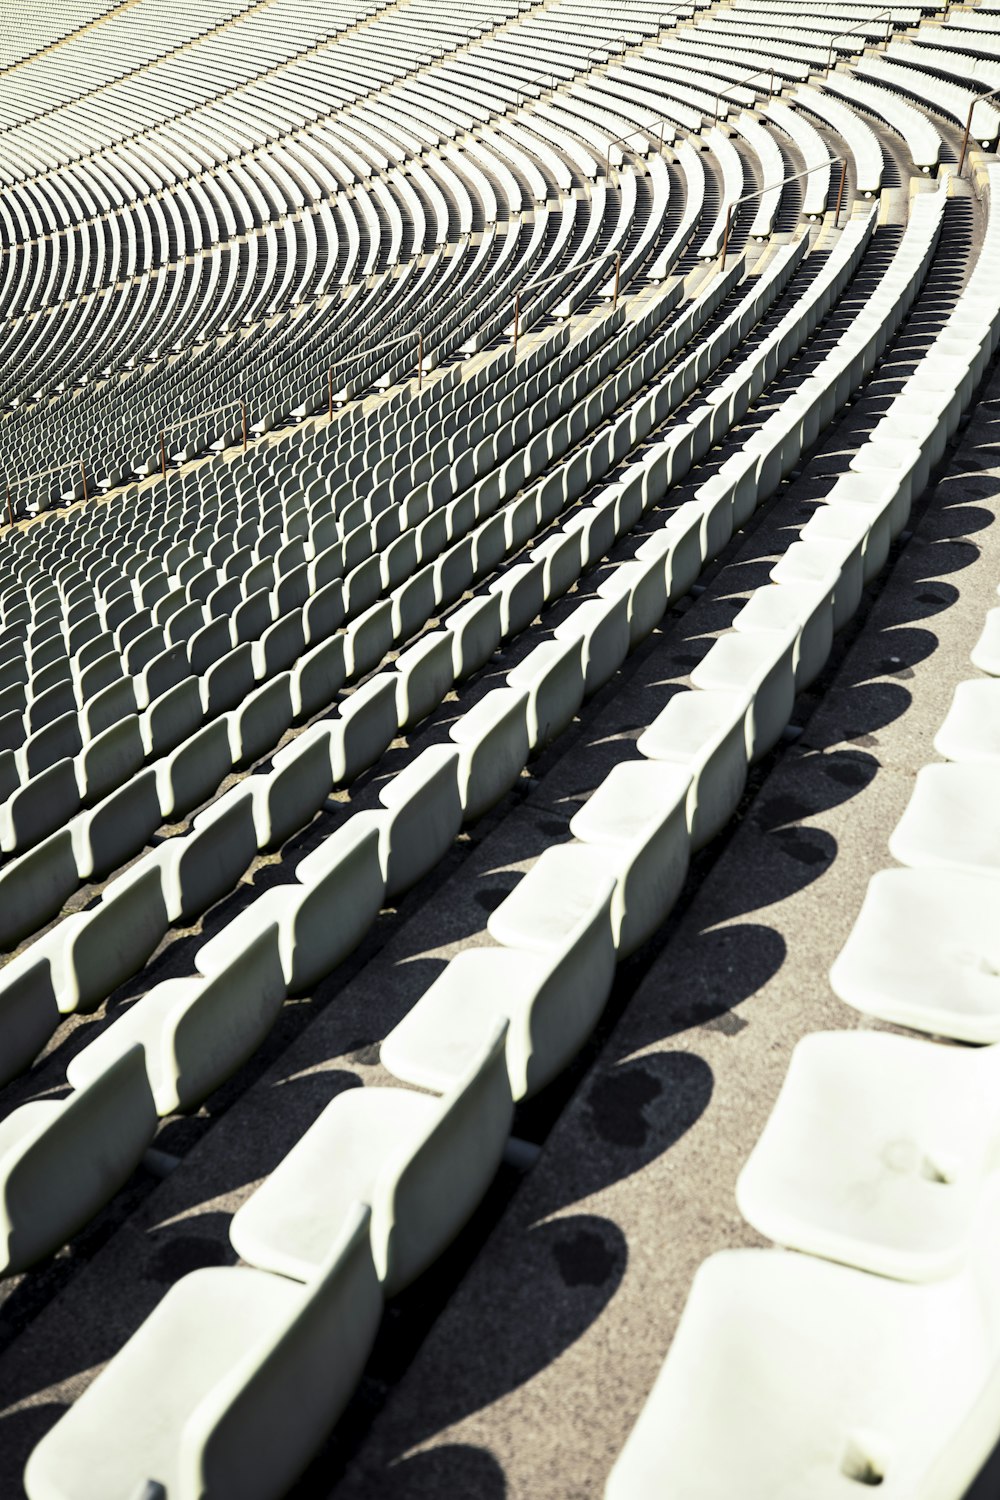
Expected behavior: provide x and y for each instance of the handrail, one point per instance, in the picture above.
(197, 416)
(738, 83)
(534, 286)
(792, 177)
(838, 36)
(44, 474)
(979, 99)
(623, 140)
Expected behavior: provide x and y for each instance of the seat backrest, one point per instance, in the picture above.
(259, 1428)
(424, 1197)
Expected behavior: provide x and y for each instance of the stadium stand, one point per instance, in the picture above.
(463, 467)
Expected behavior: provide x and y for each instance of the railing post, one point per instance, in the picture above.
(517, 318)
(420, 358)
(725, 235)
(163, 454)
(840, 192)
(243, 415)
(83, 475)
(618, 277)
(10, 508)
(965, 137)
(329, 394)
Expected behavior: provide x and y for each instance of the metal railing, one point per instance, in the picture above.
(859, 26)
(640, 130)
(769, 186)
(979, 99)
(739, 83)
(214, 411)
(349, 359)
(536, 286)
(66, 468)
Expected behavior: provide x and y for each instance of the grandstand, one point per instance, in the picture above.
(499, 749)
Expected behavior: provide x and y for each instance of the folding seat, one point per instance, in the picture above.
(205, 865)
(915, 1122)
(325, 611)
(34, 887)
(759, 661)
(831, 1378)
(144, 649)
(925, 953)
(424, 1163)
(321, 918)
(260, 721)
(209, 644)
(93, 951)
(368, 638)
(362, 585)
(365, 727)
(637, 818)
(952, 821)
(476, 629)
(705, 732)
(196, 1032)
(427, 673)
(804, 609)
(228, 681)
(552, 675)
(493, 742)
(318, 676)
(172, 717)
(109, 759)
(602, 624)
(187, 776)
(971, 729)
(62, 1159)
(44, 803)
(550, 979)
(413, 603)
(164, 672)
(59, 739)
(50, 704)
(268, 1373)
(522, 595)
(422, 819)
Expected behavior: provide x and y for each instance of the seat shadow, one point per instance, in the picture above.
(710, 977)
(632, 1112)
(453, 1469)
(20, 1432)
(553, 1283)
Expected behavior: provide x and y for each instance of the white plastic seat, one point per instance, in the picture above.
(196, 1032)
(322, 915)
(879, 1152)
(704, 731)
(422, 1162)
(228, 1387)
(761, 661)
(792, 1376)
(493, 748)
(952, 820)
(971, 729)
(552, 675)
(550, 980)
(63, 1159)
(423, 817)
(637, 818)
(925, 953)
